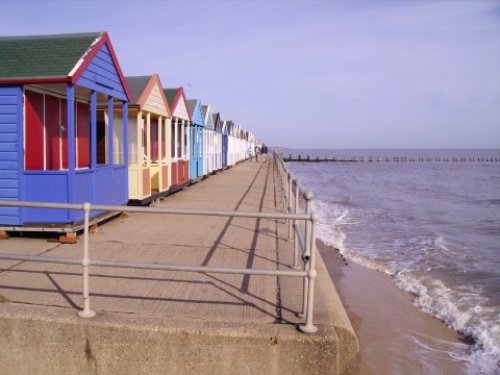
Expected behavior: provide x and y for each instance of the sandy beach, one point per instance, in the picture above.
(395, 336)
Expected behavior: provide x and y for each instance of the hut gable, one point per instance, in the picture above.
(207, 116)
(147, 93)
(217, 122)
(156, 101)
(103, 73)
(177, 103)
(194, 107)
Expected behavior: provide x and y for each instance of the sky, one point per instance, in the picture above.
(308, 74)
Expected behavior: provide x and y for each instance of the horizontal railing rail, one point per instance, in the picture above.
(157, 210)
(292, 215)
(150, 266)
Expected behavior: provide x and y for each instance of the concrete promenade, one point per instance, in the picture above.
(174, 322)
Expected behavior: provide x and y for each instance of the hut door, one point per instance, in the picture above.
(154, 140)
(101, 138)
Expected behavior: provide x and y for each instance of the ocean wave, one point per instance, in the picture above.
(463, 310)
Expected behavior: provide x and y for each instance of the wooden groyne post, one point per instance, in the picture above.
(390, 159)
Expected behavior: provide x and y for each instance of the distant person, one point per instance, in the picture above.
(264, 152)
(257, 151)
(249, 152)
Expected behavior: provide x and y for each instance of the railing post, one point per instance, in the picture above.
(309, 327)
(307, 254)
(285, 188)
(290, 209)
(295, 238)
(86, 312)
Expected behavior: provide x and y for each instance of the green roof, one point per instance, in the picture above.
(42, 56)
(170, 95)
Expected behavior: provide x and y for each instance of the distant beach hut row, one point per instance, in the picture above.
(74, 129)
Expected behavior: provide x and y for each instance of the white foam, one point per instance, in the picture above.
(460, 310)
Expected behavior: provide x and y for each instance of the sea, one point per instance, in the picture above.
(432, 223)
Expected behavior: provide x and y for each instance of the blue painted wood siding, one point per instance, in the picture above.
(197, 115)
(196, 128)
(11, 109)
(101, 75)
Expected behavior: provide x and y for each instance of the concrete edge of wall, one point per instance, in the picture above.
(41, 340)
(331, 311)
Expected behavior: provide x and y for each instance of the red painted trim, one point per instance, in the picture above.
(23, 81)
(104, 39)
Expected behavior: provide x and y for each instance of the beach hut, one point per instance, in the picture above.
(149, 127)
(230, 144)
(57, 94)
(241, 143)
(209, 135)
(225, 143)
(180, 136)
(196, 128)
(217, 141)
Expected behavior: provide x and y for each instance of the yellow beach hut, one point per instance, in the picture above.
(149, 140)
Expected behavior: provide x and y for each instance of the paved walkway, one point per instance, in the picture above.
(171, 239)
(174, 322)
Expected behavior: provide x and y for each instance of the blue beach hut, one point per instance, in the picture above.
(57, 134)
(196, 129)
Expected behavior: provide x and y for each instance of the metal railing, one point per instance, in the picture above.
(303, 238)
(293, 216)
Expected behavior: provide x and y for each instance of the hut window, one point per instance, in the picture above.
(46, 133)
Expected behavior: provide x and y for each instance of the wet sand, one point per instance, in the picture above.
(394, 335)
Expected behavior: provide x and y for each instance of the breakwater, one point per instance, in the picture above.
(388, 159)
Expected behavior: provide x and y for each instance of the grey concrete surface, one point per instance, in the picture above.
(174, 322)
